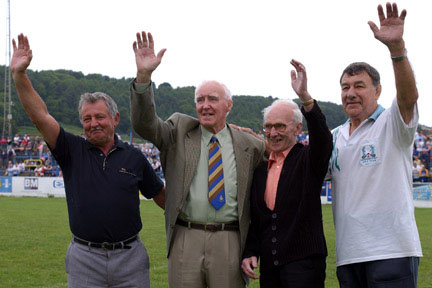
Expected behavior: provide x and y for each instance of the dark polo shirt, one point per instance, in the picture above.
(102, 191)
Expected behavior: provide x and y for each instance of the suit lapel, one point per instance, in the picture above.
(243, 159)
(192, 155)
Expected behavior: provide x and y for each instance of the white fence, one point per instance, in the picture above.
(54, 187)
(32, 186)
(422, 194)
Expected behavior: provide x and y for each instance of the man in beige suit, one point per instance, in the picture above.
(206, 230)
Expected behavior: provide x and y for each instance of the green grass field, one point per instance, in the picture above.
(34, 236)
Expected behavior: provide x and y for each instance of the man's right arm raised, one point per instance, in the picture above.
(29, 98)
(145, 58)
(143, 111)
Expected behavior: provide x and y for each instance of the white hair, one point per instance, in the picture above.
(227, 95)
(297, 116)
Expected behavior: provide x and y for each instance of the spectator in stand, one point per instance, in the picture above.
(28, 148)
(155, 151)
(41, 148)
(40, 171)
(11, 154)
(9, 142)
(18, 145)
(17, 140)
(419, 142)
(48, 168)
(3, 142)
(35, 147)
(424, 174)
(415, 155)
(429, 143)
(416, 171)
(300, 137)
(156, 166)
(426, 154)
(9, 170)
(4, 158)
(21, 167)
(58, 171)
(15, 169)
(47, 161)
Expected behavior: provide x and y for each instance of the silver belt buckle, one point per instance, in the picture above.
(105, 245)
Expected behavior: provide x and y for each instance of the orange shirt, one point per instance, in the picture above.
(274, 169)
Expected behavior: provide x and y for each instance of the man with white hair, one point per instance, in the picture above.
(286, 230)
(208, 168)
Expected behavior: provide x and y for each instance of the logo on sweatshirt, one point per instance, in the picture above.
(368, 155)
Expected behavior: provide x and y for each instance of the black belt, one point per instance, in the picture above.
(231, 226)
(106, 245)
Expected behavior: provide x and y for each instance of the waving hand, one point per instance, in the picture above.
(22, 54)
(392, 27)
(145, 57)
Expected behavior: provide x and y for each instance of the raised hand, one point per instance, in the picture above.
(22, 54)
(145, 57)
(391, 28)
(299, 80)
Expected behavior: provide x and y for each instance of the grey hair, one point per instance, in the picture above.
(297, 116)
(358, 67)
(94, 97)
(228, 95)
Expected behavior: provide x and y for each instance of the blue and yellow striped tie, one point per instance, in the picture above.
(216, 176)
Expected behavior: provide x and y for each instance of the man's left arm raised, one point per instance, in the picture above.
(390, 34)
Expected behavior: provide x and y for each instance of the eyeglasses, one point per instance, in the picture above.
(279, 127)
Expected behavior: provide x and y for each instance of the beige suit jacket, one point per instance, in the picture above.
(178, 140)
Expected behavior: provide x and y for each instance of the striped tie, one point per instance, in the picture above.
(216, 177)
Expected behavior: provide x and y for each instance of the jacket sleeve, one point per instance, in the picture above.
(320, 140)
(145, 120)
(252, 246)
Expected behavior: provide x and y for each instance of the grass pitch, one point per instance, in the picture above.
(34, 236)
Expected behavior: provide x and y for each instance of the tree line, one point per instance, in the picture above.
(61, 90)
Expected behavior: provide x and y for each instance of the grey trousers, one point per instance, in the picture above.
(97, 267)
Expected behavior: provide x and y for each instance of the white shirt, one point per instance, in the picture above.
(371, 172)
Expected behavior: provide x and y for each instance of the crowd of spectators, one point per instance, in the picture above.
(29, 156)
(422, 157)
(152, 155)
(26, 156)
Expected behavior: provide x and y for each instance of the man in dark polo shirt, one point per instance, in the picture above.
(102, 177)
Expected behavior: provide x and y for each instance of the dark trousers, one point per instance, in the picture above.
(305, 273)
(389, 273)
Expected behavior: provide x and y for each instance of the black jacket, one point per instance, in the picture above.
(293, 230)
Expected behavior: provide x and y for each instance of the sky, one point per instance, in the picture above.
(245, 44)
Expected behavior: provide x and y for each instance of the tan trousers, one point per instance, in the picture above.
(200, 259)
